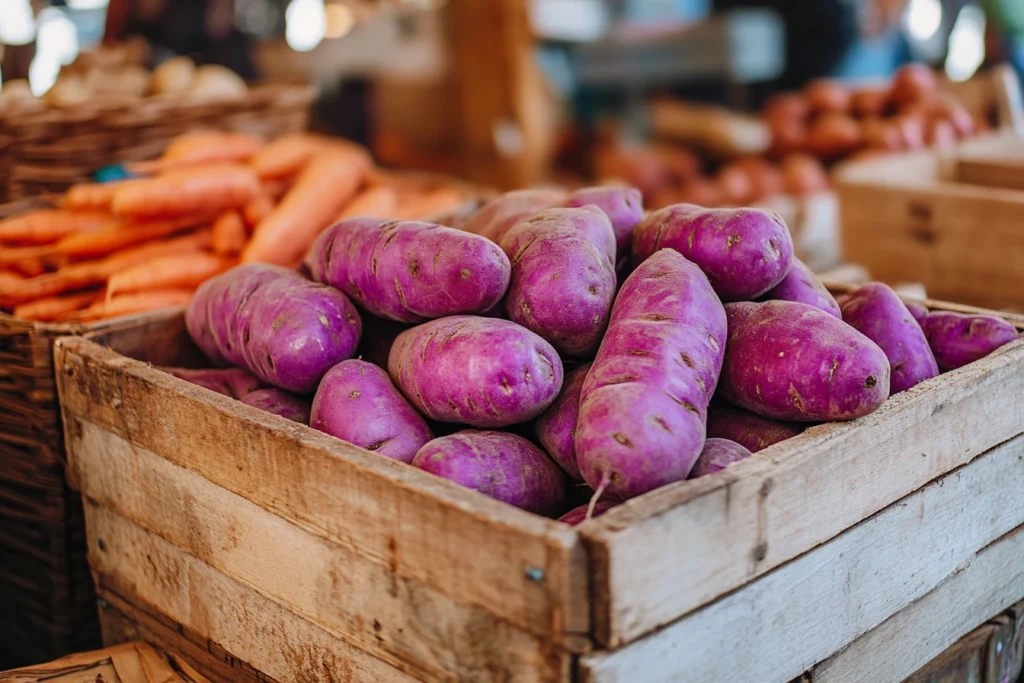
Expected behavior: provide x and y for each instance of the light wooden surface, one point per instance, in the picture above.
(128, 663)
(360, 600)
(910, 639)
(468, 558)
(906, 218)
(667, 553)
(153, 572)
(1006, 172)
(806, 610)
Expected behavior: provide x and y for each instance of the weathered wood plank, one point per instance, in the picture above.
(912, 637)
(661, 556)
(805, 611)
(140, 564)
(520, 567)
(359, 599)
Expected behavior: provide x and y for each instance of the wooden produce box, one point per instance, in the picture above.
(128, 663)
(951, 220)
(210, 522)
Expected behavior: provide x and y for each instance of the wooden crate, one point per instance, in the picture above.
(951, 220)
(369, 570)
(128, 663)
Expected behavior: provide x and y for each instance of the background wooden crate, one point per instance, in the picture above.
(376, 569)
(912, 218)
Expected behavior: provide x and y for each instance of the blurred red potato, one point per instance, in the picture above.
(913, 83)
(868, 102)
(786, 108)
(834, 135)
(881, 134)
(825, 96)
(803, 174)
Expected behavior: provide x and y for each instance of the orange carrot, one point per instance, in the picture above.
(117, 237)
(378, 202)
(229, 234)
(202, 147)
(328, 181)
(258, 209)
(29, 266)
(13, 255)
(49, 225)
(288, 154)
(54, 307)
(209, 189)
(8, 277)
(132, 304)
(176, 271)
(275, 189)
(93, 273)
(92, 196)
(429, 204)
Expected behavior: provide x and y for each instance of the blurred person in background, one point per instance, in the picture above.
(201, 29)
(1007, 16)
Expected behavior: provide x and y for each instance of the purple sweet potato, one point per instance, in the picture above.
(285, 330)
(357, 402)
(644, 401)
(279, 402)
(877, 312)
(498, 216)
(917, 310)
(503, 466)
(483, 372)
(717, 455)
(578, 515)
(556, 428)
(791, 361)
(753, 432)
(623, 205)
(563, 284)
(410, 271)
(803, 286)
(233, 382)
(744, 252)
(957, 339)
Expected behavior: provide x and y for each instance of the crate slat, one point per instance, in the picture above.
(807, 610)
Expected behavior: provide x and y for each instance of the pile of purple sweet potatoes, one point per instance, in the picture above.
(553, 349)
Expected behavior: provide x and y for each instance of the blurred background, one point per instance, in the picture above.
(517, 92)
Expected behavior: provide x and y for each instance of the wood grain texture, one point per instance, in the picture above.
(140, 564)
(127, 663)
(907, 219)
(125, 620)
(669, 552)
(358, 599)
(907, 641)
(805, 611)
(523, 569)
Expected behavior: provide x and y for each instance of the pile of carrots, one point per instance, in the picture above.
(212, 200)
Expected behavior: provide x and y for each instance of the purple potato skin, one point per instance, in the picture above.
(562, 285)
(879, 314)
(498, 216)
(483, 372)
(957, 339)
(644, 402)
(578, 515)
(753, 432)
(624, 206)
(410, 271)
(503, 466)
(793, 362)
(556, 428)
(285, 330)
(744, 252)
(357, 403)
(717, 455)
(233, 382)
(803, 286)
(279, 402)
(917, 310)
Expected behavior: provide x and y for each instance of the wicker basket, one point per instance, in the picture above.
(47, 149)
